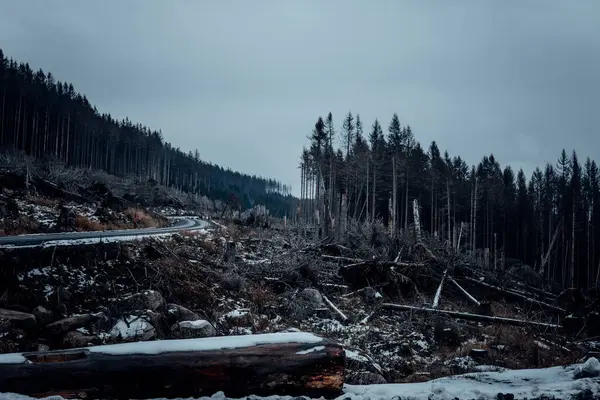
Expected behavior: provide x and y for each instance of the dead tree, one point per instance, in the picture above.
(469, 316)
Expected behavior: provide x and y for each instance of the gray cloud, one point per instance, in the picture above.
(245, 81)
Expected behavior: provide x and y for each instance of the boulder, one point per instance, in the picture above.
(177, 313)
(146, 300)
(43, 315)
(17, 319)
(71, 323)
(193, 329)
(313, 297)
(133, 328)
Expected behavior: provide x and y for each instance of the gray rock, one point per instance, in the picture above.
(313, 297)
(193, 329)
(43, 315)
(133, 328)
(589, 369)
(146, 300)
(71, 323)
(17, 319)
(370, 295)
(366, 378)
(77, 339)
(42, 347)
(177, 313)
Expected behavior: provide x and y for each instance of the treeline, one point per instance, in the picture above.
(47, 118)
(550, 222)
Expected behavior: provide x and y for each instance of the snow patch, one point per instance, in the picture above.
(312, 350)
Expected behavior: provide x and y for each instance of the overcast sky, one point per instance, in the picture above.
(245, 81)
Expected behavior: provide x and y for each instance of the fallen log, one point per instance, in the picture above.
(471, 317)
(514, 294)
(438, 293)
(467, 294)
(293, 364)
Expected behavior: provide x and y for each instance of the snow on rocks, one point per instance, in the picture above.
(132, 327)
(589, 369)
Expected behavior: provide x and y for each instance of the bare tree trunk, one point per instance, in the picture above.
(573, 243)
(416, 219)
(406, 199)
(374, 188)
(475, 216)
(367, 193)
(448, 206)
(394, 196)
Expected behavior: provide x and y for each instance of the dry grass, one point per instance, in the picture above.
(84, 224)
(44, 201)
(141, 219)
(261, 296)
(209, 246)
(19, 226)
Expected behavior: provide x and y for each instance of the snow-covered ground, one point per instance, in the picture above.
(548, 383)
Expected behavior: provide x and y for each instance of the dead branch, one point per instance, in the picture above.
(514, 294)
(467, 294)
(469, 316)
(438, 293)
(334, 308)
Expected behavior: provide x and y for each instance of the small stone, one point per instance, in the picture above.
(313, 296)
(194, 329)
(370, 295)
(17, 319)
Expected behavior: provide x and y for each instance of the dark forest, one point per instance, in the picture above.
(550, 221)
(48, 119)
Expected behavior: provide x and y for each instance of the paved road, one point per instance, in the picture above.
(182, 224)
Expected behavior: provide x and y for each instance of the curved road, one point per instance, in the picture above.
(183, 224)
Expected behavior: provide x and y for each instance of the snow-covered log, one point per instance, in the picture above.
(469, 316)
(281, 363)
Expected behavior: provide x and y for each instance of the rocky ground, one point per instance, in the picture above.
(233, 280)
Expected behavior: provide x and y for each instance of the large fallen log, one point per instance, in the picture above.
(471, 317)
(281, 363)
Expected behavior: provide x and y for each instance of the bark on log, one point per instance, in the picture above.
(471, 317)
(266, 365)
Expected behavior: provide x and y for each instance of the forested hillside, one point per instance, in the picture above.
(47, 118)
(498, 214)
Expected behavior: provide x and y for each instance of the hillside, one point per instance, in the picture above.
(47, 119)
